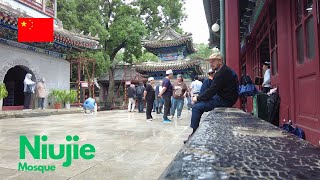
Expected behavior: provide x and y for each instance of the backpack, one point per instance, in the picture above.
(140, 91)
(294, 130)
(246, 80)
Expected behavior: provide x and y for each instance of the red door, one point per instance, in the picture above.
(307, 68)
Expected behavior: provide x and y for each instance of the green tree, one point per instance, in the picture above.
(120, 24)
(203, 51)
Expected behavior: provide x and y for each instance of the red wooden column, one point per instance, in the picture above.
(232, 24)
(285, 60)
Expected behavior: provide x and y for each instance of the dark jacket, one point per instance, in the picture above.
(131, 93)
(225, 85)
(205, 85)
(150, 93)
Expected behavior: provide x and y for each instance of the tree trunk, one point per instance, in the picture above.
(111, 85)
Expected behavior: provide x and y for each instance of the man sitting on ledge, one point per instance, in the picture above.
(222, 93)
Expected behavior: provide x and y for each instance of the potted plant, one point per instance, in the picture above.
(3, 93)
(70, 97)
(58, 96)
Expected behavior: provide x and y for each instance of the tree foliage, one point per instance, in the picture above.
(203, 51)
(120, 24)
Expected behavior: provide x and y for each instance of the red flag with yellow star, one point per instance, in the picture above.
(35, 30)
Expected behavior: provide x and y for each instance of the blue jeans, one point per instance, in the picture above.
(204, 106)
(140, 104)
(189, 103)
(41, 103)
(176, 104)
(155, 104)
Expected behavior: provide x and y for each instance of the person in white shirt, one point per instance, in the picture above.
(159, 101)
(266, 85)
(196, 86)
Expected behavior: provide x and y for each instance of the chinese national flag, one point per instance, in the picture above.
(35, 30)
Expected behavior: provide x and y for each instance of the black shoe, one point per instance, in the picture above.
(185, 141)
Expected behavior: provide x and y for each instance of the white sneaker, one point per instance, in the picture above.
(172, 116)
(179, 117)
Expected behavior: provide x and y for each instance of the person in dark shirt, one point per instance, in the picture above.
(222, 93)
(208, 81)
(139, 93)
(149, 96)
(166, 93)
(131, 93)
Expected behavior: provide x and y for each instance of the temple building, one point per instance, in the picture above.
(287, 34)
(42, 60)
(172, 49)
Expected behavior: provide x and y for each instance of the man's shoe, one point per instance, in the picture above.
(179, 117)
(185, 141)
(167, 121)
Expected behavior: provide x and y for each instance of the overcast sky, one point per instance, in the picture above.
(196, 22)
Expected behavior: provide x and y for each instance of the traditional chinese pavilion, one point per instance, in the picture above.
(46, 60)
(287, 34)
(172, 49)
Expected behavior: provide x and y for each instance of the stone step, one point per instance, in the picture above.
(37, 113)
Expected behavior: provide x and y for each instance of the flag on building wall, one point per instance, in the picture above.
(35, 30)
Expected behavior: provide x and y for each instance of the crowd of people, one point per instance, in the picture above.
(219, 89)
(166, 97)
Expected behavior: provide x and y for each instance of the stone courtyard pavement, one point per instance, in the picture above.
(127, 146)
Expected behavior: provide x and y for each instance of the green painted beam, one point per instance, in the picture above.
(222, 29)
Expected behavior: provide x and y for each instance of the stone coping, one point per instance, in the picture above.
(231, 144)
(37, 112)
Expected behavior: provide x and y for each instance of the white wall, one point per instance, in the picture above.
(56, 71)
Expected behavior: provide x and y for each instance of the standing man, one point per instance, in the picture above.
(149, 96)
(196, 86)
(266, 85)
(159, 101)
(139, 91)
(131, 93)
(166, 93)
(222, 93)
(179, 94)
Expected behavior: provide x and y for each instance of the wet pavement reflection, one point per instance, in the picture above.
(127, 146)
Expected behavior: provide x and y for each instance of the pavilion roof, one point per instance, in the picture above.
(170, 38)
(9, 18)
(187, 65)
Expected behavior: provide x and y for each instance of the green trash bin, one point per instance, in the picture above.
(260, 106)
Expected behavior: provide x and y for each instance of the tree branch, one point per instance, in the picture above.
(142, 11)
(117, 49)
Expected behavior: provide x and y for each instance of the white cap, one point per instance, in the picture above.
(169, 71)
(150, 79)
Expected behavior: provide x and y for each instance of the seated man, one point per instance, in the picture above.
(208, 81)
(89, 105)
(222, 93)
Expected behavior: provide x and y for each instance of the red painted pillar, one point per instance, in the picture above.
(232, 24)
(285, 59)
